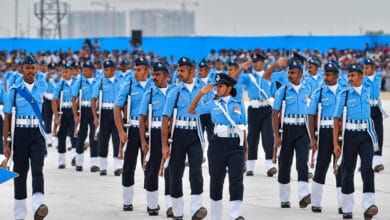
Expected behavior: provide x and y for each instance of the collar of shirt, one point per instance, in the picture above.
(29, 86)
(260, 74)
(358, 90)
(205, 79)
(333, 88)
(296, 87)
(371, 78)
(189, 86)
(112, 79)
(315, 76)
(69, 82)
(90, 80)
(225, 99)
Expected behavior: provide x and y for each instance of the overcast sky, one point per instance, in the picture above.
(235, 17)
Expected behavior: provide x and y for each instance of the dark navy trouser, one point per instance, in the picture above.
(107, 129)
(206, 122)
(222, 153)
(377, 118)
(130, 156)
(29, 148)
(67, 123)
(295, 137)
(47, 113)
(260, 121)
(185, 142)
(86, 121)
(357, 143)
(153, 165)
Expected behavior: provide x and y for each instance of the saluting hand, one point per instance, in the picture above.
(246, 65)
(282, 62)
(207, 88)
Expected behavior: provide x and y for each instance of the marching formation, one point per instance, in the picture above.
(299, 106)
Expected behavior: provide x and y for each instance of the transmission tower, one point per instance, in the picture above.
(50, 13)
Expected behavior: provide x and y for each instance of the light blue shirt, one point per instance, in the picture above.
(358, 106)
(86, 88)
(328, 101)
(66, 89)
(374, 86)
(252, 81)
(296, 103)
(158, 101)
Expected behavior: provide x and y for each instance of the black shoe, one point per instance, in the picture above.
(73, 162)
(79, 168)
(285, 204)
(50, 145)
(41, 212)
(94, 169)
(69, 148)
(316, 209)
(310, 175)
(249, 173)
(340, 210)
(370, 212)
(127, 208)
(240, 218)
(61, 166)
(347, 215)
(201, 213)
(153, 212)
(271, 172)
(379, 168)
(305, 201)
(103, 172)
(169, 212)
(118, 172)
(177, 217)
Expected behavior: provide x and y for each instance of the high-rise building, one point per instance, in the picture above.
(96, 24)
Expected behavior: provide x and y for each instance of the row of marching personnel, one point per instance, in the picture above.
(301, 108)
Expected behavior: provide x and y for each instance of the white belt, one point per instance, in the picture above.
(374, 102)
(294, 121)
(86, 103)
(258, 103)
(156, 124)
(132, 123)
(185, 124)
(27, 122)
(226, 131)
(108, 105)
(326, 123)
(356, 126)
(48, 95)
(66, 105)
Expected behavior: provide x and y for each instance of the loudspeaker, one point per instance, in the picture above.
(136, 37)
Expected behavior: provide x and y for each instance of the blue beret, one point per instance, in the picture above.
(257, 57)
(334, 62)
(232, 63)
(294, 64)
(202, 64)
(355, 67)
(99, 61)
(19, 63)
(124, 62)
(67, 66)
(184, 61)
(159, 66)
(42, 62)
(218, 60)
(108, 63)
(331, 67)
(76, 64)
(368, 61)
(141, 62)
(29, 60)
(222, 78)
(295, 55)
(52, 66)
(314, 61)
(88, 64)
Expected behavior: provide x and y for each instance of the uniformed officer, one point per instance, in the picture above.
(225, 150)
(84, 85)
(312, 79)
(233, 69)
(76, 70)
(3, 96)
(373, 82)
(325, 96)
(63, 116)
(13, 77)
(124, 74)
(259, 115)
(359, 139)
(99, 72)
(135, 88)
(219, 68)
(28, 139)
(108, 85)
(156, 97)
(186, 141)
(10, 74)
(204, 79)
(295, 135)
(47, 106)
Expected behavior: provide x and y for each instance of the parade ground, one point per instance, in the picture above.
(88, 196)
